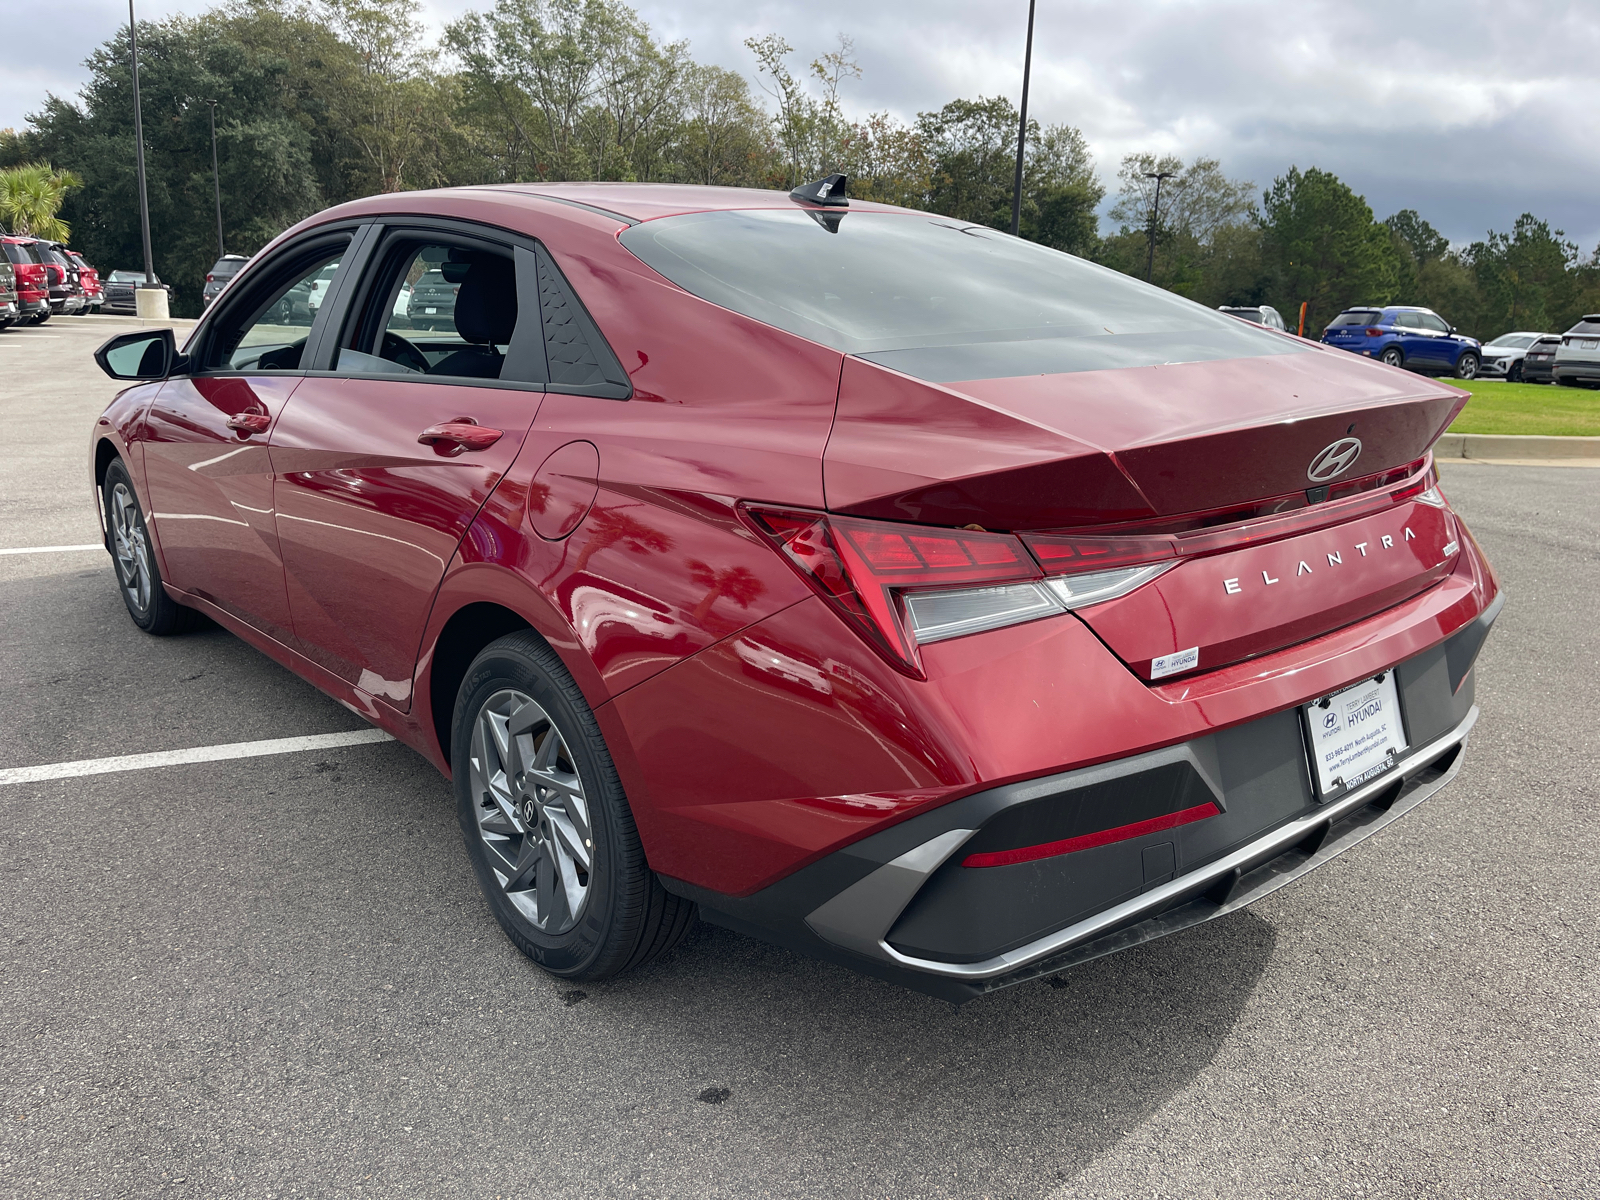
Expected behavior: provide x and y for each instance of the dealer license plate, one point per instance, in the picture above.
(1355, 735)
(429, 311)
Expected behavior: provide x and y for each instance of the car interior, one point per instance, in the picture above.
(466, 341)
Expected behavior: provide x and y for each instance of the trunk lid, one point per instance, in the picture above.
(1164, 449)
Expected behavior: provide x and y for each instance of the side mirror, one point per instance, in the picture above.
(145, 354)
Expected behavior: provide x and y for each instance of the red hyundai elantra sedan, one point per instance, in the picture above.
(866, 580)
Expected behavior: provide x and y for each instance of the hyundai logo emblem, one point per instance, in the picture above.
(1334, 460)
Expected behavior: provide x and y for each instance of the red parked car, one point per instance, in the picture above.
(911, 595)
(33, 279)
(88, 281)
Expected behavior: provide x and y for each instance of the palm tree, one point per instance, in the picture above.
(30, 197)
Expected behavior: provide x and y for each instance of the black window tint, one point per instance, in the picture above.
(579, 358)
(1361, 316)
(934, 297)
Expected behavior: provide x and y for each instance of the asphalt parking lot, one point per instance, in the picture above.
(274, 976)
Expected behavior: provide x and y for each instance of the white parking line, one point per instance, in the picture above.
(196, 754)
(50, 549)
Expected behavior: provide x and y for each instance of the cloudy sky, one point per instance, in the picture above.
(1471, 111)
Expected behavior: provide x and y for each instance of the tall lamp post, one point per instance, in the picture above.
(1155, 213)
(1022, 128)
(154, 303)
(216, 179)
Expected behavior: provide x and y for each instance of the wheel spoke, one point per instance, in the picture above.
(524, 872)
(568, 838)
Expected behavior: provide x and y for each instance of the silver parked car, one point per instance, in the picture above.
(1503, 357)
(1259, 314)
(1577, 361)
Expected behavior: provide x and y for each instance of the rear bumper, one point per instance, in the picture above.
(899, 904)
(1581, 371)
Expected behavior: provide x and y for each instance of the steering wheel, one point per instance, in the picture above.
(397, 349)
(284, 358)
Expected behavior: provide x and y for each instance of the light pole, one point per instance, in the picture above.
(1155, 213)
(216, 179)
(1022, 128)
(138, 152)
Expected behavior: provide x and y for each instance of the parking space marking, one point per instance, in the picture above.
(195, 754)
(51, 549)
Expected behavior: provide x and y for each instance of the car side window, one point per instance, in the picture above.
(1431, 322)
(441, 309)
(277, 318)
(1407, 320)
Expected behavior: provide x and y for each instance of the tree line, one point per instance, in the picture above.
(321, 101)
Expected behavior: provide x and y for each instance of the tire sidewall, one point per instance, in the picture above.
(145, 619)
(1393, 357)
(499, 667)
(1462, 371)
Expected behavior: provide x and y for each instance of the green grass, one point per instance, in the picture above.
(1498, 407)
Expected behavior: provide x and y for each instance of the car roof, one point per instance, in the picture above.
(629, 203)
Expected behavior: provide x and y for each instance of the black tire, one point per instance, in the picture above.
(1467, 366)
(41, 318)
(1515, 374)
(1393, 356)
(147, 601)
(626, 918)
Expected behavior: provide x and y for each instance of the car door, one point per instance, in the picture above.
(206, 436)
(384, 458)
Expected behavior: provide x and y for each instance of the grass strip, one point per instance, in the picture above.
(1499, 407)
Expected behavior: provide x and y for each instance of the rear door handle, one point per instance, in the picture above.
(452, 437)
(246, 423)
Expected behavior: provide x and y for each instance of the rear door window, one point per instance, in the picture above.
(468, 309)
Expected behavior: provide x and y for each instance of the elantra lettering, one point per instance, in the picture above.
(1234, 587)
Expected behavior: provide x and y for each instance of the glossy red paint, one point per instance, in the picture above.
(754, 731)
(1262, 598)
(359, 499)
(210, 494)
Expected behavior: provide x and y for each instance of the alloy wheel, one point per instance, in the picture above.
(131, 549)
(1393, 357)
(1467, 366)
(533, 815)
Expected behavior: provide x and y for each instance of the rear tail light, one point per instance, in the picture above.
(900, 586)
(211, 278)
(1374, 332)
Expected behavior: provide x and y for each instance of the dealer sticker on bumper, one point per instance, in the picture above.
(1356, 734)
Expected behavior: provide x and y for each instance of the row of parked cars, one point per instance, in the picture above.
(40, 279)
(1419, 339)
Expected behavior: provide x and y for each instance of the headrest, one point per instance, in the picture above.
(486, 305)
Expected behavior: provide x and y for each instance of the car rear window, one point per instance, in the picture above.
(21, 254)
(226, 267)
(1356, 316)
(1589, 324)
(933, 297)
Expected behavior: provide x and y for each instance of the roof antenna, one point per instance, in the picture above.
(829, 192)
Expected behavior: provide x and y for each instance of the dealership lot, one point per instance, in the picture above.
(274, 976)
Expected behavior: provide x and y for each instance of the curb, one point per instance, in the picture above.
(1519, 448)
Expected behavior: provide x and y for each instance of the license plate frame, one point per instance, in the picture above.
(1354, 735)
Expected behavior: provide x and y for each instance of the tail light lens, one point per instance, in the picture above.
(901, 586)
(211, 278)
(1374, 332)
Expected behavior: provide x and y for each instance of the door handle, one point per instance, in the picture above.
(452, 437)
(246, 423)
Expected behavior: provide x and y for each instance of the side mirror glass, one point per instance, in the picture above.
(145, 354)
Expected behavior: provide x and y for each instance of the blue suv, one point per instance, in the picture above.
(1416, 338)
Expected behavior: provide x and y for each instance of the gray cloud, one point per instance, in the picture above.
(1471, 111)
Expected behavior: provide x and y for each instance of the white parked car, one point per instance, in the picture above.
(1578, 357)
(1259, 314)
(1502, 358)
